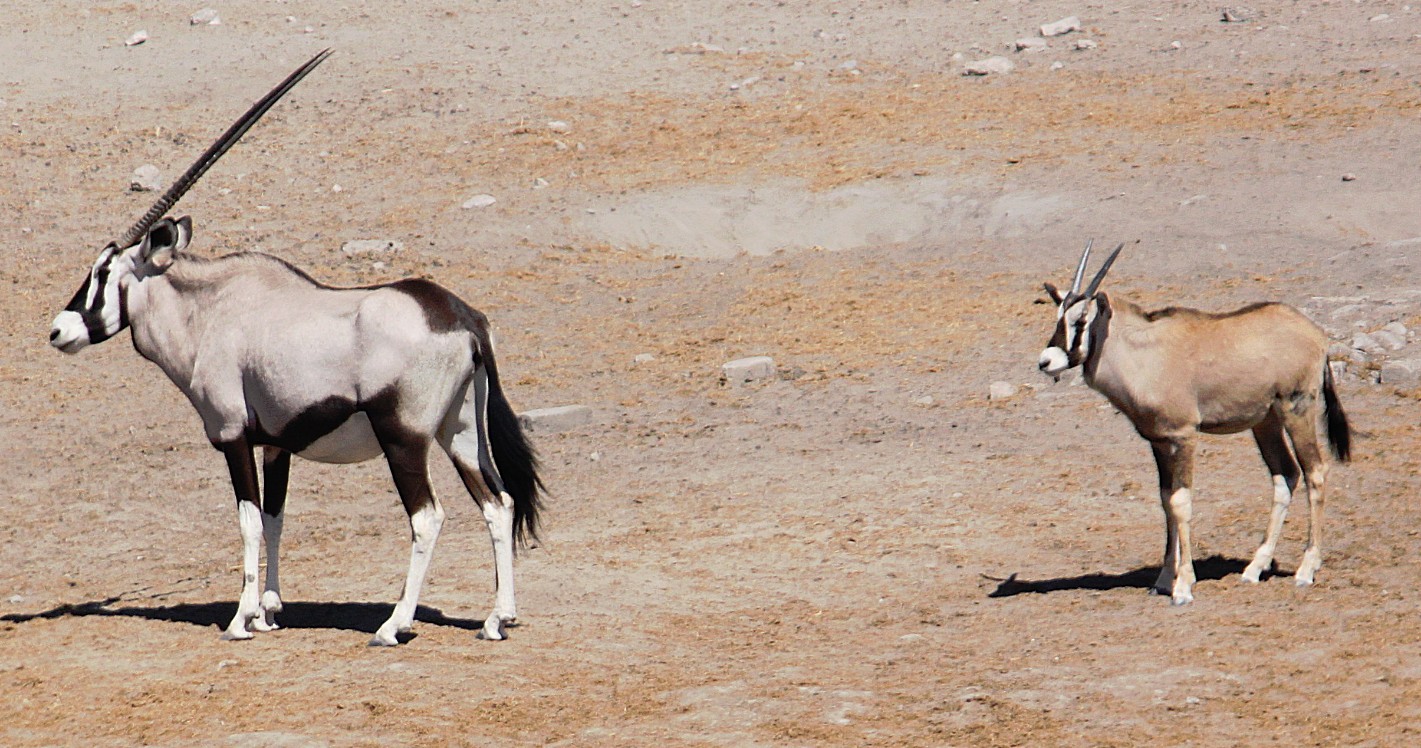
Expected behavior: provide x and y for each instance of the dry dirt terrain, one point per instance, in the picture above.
(861, 551)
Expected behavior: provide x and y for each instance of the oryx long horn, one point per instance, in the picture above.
(1100, 274)
(1080, 269)
(215, 151)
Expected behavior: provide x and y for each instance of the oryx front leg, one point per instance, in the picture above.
(243, 470)
(276, 468)
(1303, 433)
(1175, 460)
(409, 466)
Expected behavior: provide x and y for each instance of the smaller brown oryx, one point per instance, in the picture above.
(271, 358)
(1176, 372)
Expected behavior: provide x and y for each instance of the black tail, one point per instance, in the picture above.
(1339, 434)
(515, 458)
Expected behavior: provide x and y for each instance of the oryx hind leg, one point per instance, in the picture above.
(1175, 460)
(408, 456)
(1273, 446)
(465, 439)
(1302, 431)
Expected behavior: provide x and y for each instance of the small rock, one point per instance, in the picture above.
(1084, 44)
(848, 64)
(16, 599)
(1389, 340)
(558, 125)
(1176, 44)
(1031, 44)
(1404, 373)
(205, 17)
(561, 418)
(750, 369)
(924, 401)
(1349, 177)
(539, 183)
(644, 358)
(1063, 26)
(138, 38)
(1380, 17)
(480, 201)
(1236, 15)
(146, 178)
(1367, 344)
(1347, 310)
(992, 65)
(595, 457)
(1001, 391)
(371, 247)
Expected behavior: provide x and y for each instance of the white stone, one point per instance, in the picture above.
(1389, 340)
(558, 125)
(138, 38)
(992, 65)
(1367, 344)
(644, 358)
(1030, 44)
(1063, 26)
(1236, 15)
(205, 17)
(1084, 44)
(1396, 328)
(1001, 391)
(561, 418)
(146, 178)
(480, 201)
(743, 370)
(1404, 373)
(371, 247)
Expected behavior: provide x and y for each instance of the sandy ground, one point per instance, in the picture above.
(862, 551)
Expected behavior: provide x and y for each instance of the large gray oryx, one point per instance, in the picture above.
(271, 358)
(1176, 372)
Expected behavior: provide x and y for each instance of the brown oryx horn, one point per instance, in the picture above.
(1080, 269)
(215, 151)
(1100, 274)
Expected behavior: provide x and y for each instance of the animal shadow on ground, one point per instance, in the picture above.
(364, 617)
(1212, 568)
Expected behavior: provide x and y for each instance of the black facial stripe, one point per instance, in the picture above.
(101, 280)
(1074, 356)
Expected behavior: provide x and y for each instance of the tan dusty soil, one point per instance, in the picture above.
(863, 551)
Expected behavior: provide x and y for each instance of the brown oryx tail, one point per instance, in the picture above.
(515, 458)
(1339, 434)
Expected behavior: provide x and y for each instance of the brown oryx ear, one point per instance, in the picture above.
(166, 238)
(1052, 292)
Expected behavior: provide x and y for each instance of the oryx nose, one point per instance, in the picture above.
(53, 333)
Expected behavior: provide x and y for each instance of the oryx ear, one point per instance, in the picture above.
(1052, 292)
(163, 240)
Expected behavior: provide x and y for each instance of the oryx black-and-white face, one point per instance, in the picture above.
(99, 310)
(1076, 312)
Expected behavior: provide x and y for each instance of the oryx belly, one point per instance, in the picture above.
(352, 441)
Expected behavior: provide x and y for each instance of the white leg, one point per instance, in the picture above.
(1263, 557)
(1312, 557)
(425, 524)
(249, 604)
(498, 515)
(271, 596)
(1181, 506)
(1164, 583)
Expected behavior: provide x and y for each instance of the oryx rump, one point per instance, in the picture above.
(269, 357)
(1176, 372)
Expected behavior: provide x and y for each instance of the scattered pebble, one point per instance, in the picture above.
(644, 358)
(924, 401)
(1236, 15)
(1031, 44)
(205, 17)
(539, 183)
(558, 125)
(371, 247)
(480, 201)
(1086, 44)
(146, 178)
(1001, 391)
(561, 418)
(138, 38)
(1349, 177)
(1063, 26)
(990, 66)
(743, 370)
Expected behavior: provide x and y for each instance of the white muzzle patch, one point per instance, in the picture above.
(1053, 361)
(69, 333)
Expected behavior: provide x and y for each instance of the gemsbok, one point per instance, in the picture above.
(1177, 372)
(271, 358)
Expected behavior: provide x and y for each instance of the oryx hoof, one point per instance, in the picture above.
(493, 627)
(1181, 598)
(236, 635)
